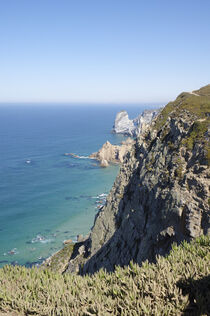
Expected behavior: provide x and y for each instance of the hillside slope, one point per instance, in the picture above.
(172, 286)
(161, 194)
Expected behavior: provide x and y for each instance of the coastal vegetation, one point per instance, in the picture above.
(163, 183)
(197, 104)
(176, 284)
(59, 261)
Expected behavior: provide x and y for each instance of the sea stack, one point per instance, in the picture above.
(123, 125)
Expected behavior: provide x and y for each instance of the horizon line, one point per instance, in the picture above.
(81, 103)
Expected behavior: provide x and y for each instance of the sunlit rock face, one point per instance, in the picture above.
(109, 153)
(143, 121)
(123, 125)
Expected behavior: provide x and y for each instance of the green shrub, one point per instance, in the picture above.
(199, 128)
(180, 282)
(59, 261)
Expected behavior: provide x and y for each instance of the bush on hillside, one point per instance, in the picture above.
(175, 284)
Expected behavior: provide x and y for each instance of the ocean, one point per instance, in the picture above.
(47, 197)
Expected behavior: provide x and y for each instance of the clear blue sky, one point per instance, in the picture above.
(103, 50)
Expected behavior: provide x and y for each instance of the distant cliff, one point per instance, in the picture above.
(123, 125)
(161, 194)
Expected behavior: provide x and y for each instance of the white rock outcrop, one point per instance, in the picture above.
(123, 125)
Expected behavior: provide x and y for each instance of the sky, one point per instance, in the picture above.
(103, 51)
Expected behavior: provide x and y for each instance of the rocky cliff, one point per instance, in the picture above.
(123, 125)
(112, 153)
(161, 194)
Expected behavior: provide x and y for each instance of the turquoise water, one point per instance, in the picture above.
(52, 197)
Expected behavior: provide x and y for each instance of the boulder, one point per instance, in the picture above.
(104, 163)
(68, 241)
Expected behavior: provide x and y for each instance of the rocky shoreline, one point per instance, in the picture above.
(112, 153)
(123, 125)
(115, 154)
(161, 194)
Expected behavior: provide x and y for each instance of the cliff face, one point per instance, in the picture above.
(143, 121)
(123, 125)
(161, 194)
(112, 153)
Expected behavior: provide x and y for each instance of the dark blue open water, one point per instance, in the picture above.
(53, 196)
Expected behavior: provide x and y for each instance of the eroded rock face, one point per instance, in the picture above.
(112, 153)
(123, 125)
(159, 197)
(143, 121)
